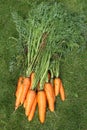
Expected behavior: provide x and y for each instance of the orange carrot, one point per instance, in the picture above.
(32, 111)
(50, 95)
(32, 79)
(29, 101)
(26, 85)
(41, 100)
(62, 92)
(18, 99)
(30, 87)
(57, 83)
(19, 84)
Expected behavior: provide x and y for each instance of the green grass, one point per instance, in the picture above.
(69, 115)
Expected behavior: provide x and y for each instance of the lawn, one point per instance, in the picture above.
(69, 115)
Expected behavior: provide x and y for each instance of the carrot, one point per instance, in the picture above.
(29, 101)
(50, 95)
(57, 83)
(32, 111)
(26, 85)
(62, 92)
(27, 98)
(20, 80)
(18, 99)
(41, 100)
(32, 79)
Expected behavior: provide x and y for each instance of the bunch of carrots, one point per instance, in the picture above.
(38, 87)
(43, 98)
(42, 50)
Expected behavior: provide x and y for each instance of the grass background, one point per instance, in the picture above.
(69, 115)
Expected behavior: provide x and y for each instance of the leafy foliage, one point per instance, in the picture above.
(64, 31)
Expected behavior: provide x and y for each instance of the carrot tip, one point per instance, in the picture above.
(42, 122)
(26, 113)
(51, 110)
(63, 100)
(21, 102)
(16, 108)
(56, 94)
(29, 119)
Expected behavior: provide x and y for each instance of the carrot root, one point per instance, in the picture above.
(62, 92)
(33, 108)
(50, 96)
(57, 83)
(26, 85)
(41, 99)
(29, 101)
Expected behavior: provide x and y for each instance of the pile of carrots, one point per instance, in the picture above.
(31, 98)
